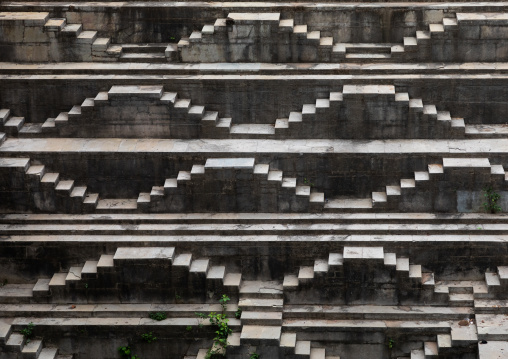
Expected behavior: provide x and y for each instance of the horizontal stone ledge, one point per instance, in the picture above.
(373, 240)
(460, 148)
(220, 67)
(265, 217)
(235, 229)
(161, 78)
(118, 322)
(258, 6)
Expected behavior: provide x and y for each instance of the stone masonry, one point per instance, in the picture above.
(338, 170)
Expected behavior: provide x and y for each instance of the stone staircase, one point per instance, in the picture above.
(15, 343)
(84, 283)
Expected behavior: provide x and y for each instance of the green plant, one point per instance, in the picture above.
(254, 356)
(391, 343)
(28, 331)
(238, 313)
(188, 328)
(178, 297)
(126, 352)
(224, 302)
(148, 337)
(308, 182)
(222, 329)
(86, 285)
(492, 198)
(158, 316)
(4, 282)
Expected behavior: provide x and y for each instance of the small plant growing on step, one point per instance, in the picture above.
(491, 198)
(148, 337)
(238, 313)
(189, 328)
(224, 302)
(201, 317)
(126, 352)
(391, 343)
(254, 356)
(158, 316)
(308, 182)
(28, 332)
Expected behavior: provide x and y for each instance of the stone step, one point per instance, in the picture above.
(101, 44)
(305, 274)
(55, 24)
(32, 349)
(5, 331)
(302, 348)
(430, 349)
(464, 335)
(41, 288)
(489, 327)
(144, 253)
(143, 323)
(4, 115)
(118, 310)
(145, 48)
(253, 129)
(48, 353)
(58, 280)
(216, 272)
(290, 282)
(31, 130)
(288, 340)
(118, 92)
(417, 354)
(261, 318)
(367, 48)
(472, 219)
(368, 56)
(12, 293)
(143, 57)
(461, 300)
(118, 205)
(444, 342)
(87, 37)
(13, 125)
(351, 204)
(484, 130)
(89, 270)
(15, 342)
(365, 326)
(200, 266)
(375, 312)
(232, 229)
(257, 304)
(260, 335)
(73, 275)
(72, 29)
(317, 353)
(261, 290)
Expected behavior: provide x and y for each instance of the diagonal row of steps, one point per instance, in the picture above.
(331, 51)
(425, 117)
(101, 46)
(63, 282)
(185, 178)
(15, 342)
(59, 193)
(389, 197)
